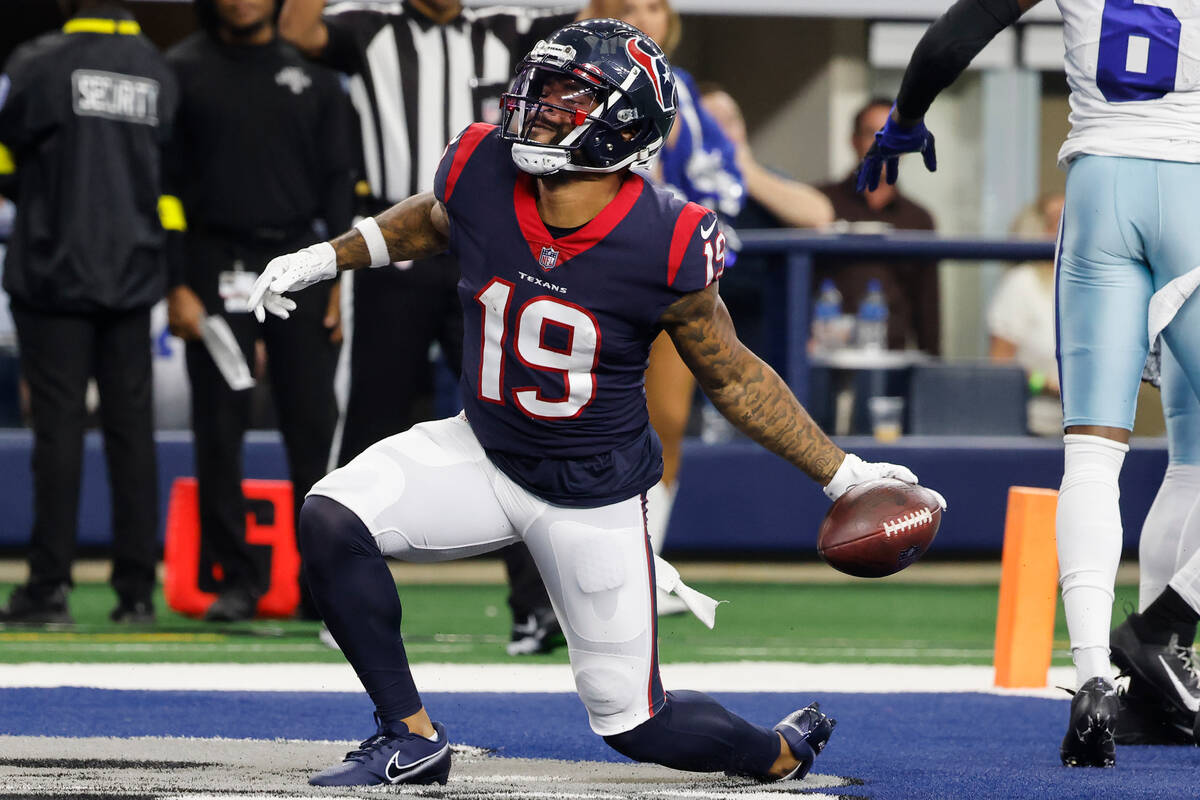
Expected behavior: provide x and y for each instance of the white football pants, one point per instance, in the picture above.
(431, 494)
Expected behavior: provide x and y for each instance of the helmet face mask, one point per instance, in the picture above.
(597, 96)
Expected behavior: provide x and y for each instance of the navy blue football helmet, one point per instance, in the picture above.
(609, 80)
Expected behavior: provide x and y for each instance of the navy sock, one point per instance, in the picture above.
(354, 592)
(1169, 613)
(696, 733)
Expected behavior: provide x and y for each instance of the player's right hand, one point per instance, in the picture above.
(290, 273)
(854, 471)
(890, 143)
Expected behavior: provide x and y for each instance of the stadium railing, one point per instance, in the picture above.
(797, 249)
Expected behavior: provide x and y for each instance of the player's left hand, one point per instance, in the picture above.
(290, 273)
(890, 143)
(854, 471)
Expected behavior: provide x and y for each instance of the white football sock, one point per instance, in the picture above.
(1163, 549)
(660, 498)
(1186, 580)
(1088, 535)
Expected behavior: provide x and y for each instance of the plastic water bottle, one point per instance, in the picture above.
(827, 311)
(714, 428)
(871, 325)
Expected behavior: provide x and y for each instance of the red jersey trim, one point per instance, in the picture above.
(685, 226)
(582, 240)
(470, 139)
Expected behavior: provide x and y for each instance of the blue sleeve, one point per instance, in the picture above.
(702, 164)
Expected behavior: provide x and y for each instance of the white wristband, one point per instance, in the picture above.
(376, 245)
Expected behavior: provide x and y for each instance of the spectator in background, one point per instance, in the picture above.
(772, 201)
(264, 150)
(697, 163)
(910, 285)
(84, 114)
(1020, 318)
(421, 71)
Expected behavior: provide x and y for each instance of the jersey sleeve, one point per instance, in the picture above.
(349, 30)
(455, 158)
(697, 254)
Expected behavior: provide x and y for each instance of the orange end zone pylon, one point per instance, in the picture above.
(181, 553)
(1028, 589)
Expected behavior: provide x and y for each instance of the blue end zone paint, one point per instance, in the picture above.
(900, 745)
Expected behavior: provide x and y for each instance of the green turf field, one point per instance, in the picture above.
(868, 622)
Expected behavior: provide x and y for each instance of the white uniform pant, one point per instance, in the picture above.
(431, 494)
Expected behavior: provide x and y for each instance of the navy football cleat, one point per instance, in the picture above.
(806, 731)
(392, 755)
(1089, 740)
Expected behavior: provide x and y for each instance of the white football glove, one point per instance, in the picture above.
(290, 273)
(854, 471)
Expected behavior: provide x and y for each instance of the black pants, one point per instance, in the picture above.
(397, 314)
(300, 364)
(59, 353)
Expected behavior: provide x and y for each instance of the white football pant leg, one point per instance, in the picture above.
(425, 495)
(1088, 526)
(597, 565)
(1163, 545)
(660, 499)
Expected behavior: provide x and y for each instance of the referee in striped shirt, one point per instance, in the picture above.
(420, 72)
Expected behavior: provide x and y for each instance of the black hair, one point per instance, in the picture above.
(210, 21)
(878, 100)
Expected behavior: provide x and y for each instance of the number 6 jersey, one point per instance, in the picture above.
(557, 330)
(1134, 73)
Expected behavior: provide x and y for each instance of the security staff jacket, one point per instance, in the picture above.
(84, 115)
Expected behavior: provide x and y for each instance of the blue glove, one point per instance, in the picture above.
(890, 143)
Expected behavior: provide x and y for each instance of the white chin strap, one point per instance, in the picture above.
(539, 160)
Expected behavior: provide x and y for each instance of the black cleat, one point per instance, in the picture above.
(1167, 672)
(806, 732)
(1089, 740)
(1146, 720)
(539, 632)
(29, 606)
(133, 612)
(232, 605)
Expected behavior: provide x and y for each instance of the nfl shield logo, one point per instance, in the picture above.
(549, 258)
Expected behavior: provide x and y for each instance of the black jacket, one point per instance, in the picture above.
(265, 142)
(84, 115)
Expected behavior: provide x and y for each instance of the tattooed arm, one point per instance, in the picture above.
(745, 389)
(413, 228)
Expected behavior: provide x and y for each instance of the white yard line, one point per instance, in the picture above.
(740, 676)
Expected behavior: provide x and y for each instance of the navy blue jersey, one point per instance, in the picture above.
(557, 332)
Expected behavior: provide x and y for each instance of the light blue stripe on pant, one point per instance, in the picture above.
(1130, 226)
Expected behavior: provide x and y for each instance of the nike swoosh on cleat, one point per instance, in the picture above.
(706, 232)
(1189, 700)
(394, 771)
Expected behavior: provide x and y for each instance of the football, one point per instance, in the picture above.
(878, 528)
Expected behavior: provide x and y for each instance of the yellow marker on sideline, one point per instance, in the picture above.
(1028, 589)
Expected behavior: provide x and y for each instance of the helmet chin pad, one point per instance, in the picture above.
(538, 160)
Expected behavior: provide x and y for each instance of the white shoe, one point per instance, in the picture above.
(669, 605)
(327, 639)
